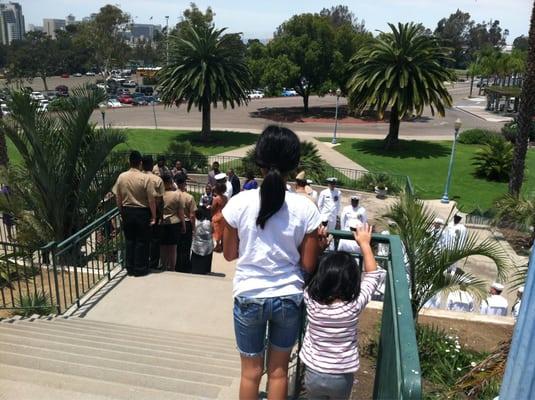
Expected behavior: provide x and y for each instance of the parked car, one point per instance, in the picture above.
(125, 99)
(146, 90)
(255, 94)
(65, 75)
(152, 100)
(137, 94)
(139, 101)
(37, 96)
(77, 74)
(288, 93)
(122, 91)
(62, 90)
(113, 103)
(89, 73)
(130, 84)
(4, 109)
(43, 106)
(50, 95)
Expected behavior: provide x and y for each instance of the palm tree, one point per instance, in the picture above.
(204, 68)
(525, 115)
(66, 169)
(516, 210)
(474, 69)
(427, 258)
(403, 71)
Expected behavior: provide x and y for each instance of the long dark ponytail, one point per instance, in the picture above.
(277, 152)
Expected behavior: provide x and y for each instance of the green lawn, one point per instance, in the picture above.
(427, 164)
(158, 140)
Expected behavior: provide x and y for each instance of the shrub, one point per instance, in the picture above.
(493, 161)
(369, 181)
(510, 130)
(149, 80)
(191, 159)
(477, 136)
(60, 104)
(34, 303)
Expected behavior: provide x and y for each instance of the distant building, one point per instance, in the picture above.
(51, 25)
(70, 20)
(12, 25)
(35, 28)
(143, 32)
(90, 18)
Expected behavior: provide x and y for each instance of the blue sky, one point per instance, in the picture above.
(260, 18)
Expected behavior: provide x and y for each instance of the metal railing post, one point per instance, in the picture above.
(55, 273)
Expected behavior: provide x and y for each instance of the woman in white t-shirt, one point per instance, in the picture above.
(275, 235)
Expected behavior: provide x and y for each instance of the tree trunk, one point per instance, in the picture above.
(305, 102)
(43, 78)
(205, 131)
(4, 159)
(525, 113)
(392, 140)
(471, 86)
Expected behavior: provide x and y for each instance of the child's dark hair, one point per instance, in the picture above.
(202, 213)
(336, 278)
(278, 151)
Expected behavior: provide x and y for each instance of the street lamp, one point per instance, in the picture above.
(457, 125)
(167, 38)
(102, 108)
(338, 93)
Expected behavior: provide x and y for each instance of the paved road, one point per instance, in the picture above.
(259, 113)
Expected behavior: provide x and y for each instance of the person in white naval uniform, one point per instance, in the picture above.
(352, 216)
(311, 192)
(460, 300)
(329, 203)
(516, 307)
(222, 178)
(495, 304)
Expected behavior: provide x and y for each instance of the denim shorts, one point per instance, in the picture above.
(282, 316)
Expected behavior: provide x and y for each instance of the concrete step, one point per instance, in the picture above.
(144, 332)
(125, 345)
(128, 338)
(123, 376)
(58, 337)
(176, 364)
(55, 385)
(198, 375)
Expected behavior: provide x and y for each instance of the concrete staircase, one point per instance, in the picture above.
(75, 358)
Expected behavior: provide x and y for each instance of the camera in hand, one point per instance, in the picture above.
(324, 223)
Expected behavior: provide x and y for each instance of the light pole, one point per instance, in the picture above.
(167, 38)
(457, 125)
(102, 108)
(338, 93)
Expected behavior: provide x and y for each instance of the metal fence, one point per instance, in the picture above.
(57, 276)
(398, 373)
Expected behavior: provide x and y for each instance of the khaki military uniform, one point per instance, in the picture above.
(184, 243)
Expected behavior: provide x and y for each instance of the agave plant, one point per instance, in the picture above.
(34, 303)
(427, 259)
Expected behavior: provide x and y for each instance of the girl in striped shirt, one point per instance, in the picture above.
(334, 298)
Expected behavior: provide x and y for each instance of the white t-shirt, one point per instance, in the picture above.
(268, 263)
(229, 190)
(494, 305)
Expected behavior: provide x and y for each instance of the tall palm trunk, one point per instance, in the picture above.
(525, 114)
(392, 139)
(206, 109)
(471, 85)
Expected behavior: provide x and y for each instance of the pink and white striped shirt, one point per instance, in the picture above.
(330, 344)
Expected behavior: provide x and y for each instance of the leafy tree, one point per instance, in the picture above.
(427, 259)
(341, 16)
(454, 32)
(279, 73)
(307, 40)
(401, 71)
(194, 17)
(204, 69)
(525, 113)
(256, 54)
(521, 43)
(65, 171)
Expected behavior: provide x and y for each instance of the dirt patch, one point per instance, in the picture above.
(519, 241)
(478, 336)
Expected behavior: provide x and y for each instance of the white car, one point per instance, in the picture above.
(255, 94)
(130, 84)
(77, 74)
(43, 106)
(89, 73)
(114, 103)
(37, 96)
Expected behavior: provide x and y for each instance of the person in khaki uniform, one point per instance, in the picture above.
(173, 224)
(157, 182)
(183, 262)
(135, 198)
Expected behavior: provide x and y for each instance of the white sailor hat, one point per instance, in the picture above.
(497, 286)
(310, 181)
(438, 221)
(220, 176)
(332, 179)
(521, 289)
(355, 197)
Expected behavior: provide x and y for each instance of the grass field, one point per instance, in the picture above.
(427, 165)
(157, 141)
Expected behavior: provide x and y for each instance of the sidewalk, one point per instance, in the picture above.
(476, 106)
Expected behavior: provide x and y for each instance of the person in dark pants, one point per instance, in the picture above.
(235, 181)
(135, 199)
(183, 261)
(159, 190)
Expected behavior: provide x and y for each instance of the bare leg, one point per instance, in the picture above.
(278, 374)
(251, 374)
